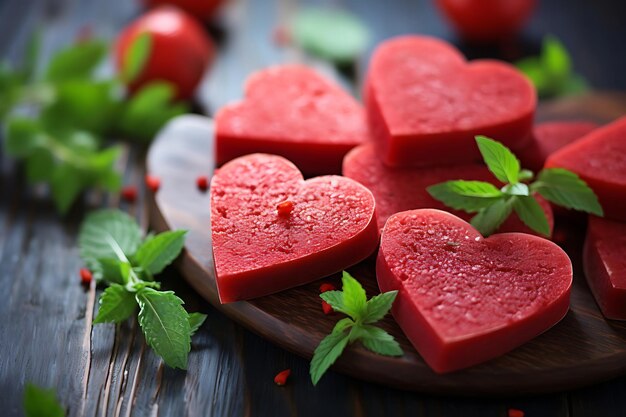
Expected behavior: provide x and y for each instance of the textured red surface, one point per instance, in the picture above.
(425, 103)
(548, 138)
(294, 112)
(180, 52)
(259, 249)
(599, 158)
(400, 189)
(464, 299)
(605, 265)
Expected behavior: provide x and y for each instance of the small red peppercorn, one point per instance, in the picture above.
(281, 378)
(85, 276)
(285, 208)
(202, 182)
(327, 308)
(515, 413)
(281, 36)
(153, 183)
(327, 287)
(129, 193)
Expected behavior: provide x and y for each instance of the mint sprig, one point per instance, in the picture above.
(551, 72)
(111, 244)
(40, 402)
(493, 206)
(362, 313)
(56, 119)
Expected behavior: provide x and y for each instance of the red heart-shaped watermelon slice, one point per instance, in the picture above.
(272, 230)
(463, 299)
(401, 189)
(425, 103)
(599, 159)
(548, 138)
(605, 265)
(294, 112)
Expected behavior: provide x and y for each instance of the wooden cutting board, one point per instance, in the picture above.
(583, 348)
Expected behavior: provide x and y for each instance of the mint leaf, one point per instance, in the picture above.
(378, 306)
(470, 196)
(489, 219)
(195, 321)
(136, 56)
(165, 325)
(354, 297)
(525, 175)
(148, 110)
(116, 305)
(111, 270)
(379, 341)
(499, 159)
(327, 352)
(39, 402)
(335, 299)
(565, 188)
(332, 35)
(154, 255)
(66, 184)
(516, 189)
(39, 165)
(555, 59)
(10, 89)
(108, 234)
(76, 61)
(23, 136)
(531, 213)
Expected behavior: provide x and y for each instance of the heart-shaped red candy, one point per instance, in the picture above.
(463, 299)
(294, 112)
(425, 103)
(599, 158)
(272, 230)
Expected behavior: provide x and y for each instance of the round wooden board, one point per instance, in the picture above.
(583, 348)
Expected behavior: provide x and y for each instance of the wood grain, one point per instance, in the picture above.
(582, 349)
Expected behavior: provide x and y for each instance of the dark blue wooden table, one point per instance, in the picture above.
(46, 336)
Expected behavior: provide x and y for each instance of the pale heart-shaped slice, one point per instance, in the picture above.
(599, 158)
(294, 112)
(425, 103)
(272, 230)
(463, 299)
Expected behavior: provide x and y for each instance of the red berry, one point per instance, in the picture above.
(327, 308)
(281, 36)
(281, 378)
(153, 183)
(202, 182)
(285, 208)
(180, 50)
(129, 193)
(85, 276)
(327, 287)
(515, 413)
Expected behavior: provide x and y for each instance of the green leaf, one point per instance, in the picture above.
(111, 270)
(66, 184)
(531, 213)
(195, 321)
(335, 299)
(148, 110)
(489, 219)
(565, 188)
(327, 352)
(39, 402)
(525, 175)
(155, 254)
(379, 341)
(516, 189)
(165, 324)
(470, 196)
(108, 234)
(354, 298)
(23, 136)
(31, 56)
(137, 56)
(555, 59)
(76, 61)
(330, 34)
(378, 306)
(116, 305)
(39, 165)
(499, 159)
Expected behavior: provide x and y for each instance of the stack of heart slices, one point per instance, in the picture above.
(462, 298)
